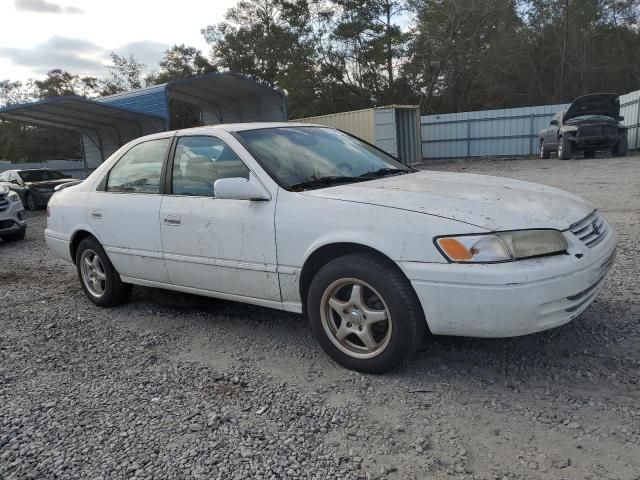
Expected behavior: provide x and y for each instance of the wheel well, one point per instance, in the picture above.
(325, 254)
(75, 241)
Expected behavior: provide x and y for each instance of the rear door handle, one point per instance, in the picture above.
(96, 213)
(172, 220)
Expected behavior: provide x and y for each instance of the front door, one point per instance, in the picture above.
(216, 245)
(125, 214)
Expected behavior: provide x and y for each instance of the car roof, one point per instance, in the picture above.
(239, 127)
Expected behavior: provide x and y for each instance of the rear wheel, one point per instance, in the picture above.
(100, 281)
(621, 147)
(544, 153)
(13, 237)
(564, 148)
(364, 313)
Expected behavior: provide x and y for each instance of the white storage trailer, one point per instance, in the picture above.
(394, 128)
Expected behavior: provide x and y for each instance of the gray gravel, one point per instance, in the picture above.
(177, 386)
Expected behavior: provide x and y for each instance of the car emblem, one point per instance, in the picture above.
(596, 230)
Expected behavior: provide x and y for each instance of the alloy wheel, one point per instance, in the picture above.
(356, 318)
(93, 273)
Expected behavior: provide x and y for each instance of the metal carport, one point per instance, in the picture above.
(107, 123)
(103, 128)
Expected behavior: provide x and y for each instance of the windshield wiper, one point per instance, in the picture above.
(383, 172)
(326, 181)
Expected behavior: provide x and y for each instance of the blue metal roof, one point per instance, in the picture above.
(150, 100)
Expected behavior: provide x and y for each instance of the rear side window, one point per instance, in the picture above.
(200, 161)
(139, 170)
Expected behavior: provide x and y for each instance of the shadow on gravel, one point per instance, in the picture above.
(557, 353)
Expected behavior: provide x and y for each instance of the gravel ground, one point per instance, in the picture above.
(177, 386)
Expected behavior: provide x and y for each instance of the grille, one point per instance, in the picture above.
(6, 223)
(597, 130)
(4, 204)
(591, 230)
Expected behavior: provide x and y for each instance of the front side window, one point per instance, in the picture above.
(200, 161)
(139, 170)
(314, 156)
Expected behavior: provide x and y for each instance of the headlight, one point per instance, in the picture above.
(13, 196)
(502, 246)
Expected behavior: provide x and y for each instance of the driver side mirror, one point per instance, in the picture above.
(621, 118)
(237, 188)
(553, 122)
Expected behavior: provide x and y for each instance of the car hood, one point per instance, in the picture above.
(48, 184)
(3, 190)
(594, 104)
(493, 203)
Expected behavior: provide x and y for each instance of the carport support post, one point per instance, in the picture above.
(468, 137)
(84, 156)
(531, 134)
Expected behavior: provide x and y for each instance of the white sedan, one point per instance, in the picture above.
(309, 219)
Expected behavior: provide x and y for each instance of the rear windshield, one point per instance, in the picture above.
(41, 175)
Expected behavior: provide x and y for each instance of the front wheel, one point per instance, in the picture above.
(564, 148)
(100, 281)
(365, 313)
(621, 147)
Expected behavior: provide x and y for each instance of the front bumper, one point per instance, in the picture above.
(514, 298)
(603, 143)
(13, 219)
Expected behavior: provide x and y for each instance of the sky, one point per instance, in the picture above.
(78, 35)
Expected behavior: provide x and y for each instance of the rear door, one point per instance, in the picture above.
(212, 244)
(124, 214)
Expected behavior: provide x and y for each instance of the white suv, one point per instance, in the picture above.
(13, 222)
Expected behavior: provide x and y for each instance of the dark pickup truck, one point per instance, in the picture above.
(591, 123)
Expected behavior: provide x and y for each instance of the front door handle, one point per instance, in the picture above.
(96, 213)
(172, 220)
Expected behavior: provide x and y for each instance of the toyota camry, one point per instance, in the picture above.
(309, 219)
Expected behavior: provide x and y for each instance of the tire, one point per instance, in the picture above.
(544, 153)
(30, 202)
(564, 148)
(14, 237)
(338, 313)
(106, 289)
(589, 154)
(621, 147)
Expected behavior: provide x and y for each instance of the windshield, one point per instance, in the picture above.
(41, 175)
(590, 118)
(301, 155)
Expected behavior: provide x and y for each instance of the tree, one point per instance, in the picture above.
(270, 41)
(179, 62)
(126, 73)
(464, 55)
(588, 45)
(16, 92)
(370, 46)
